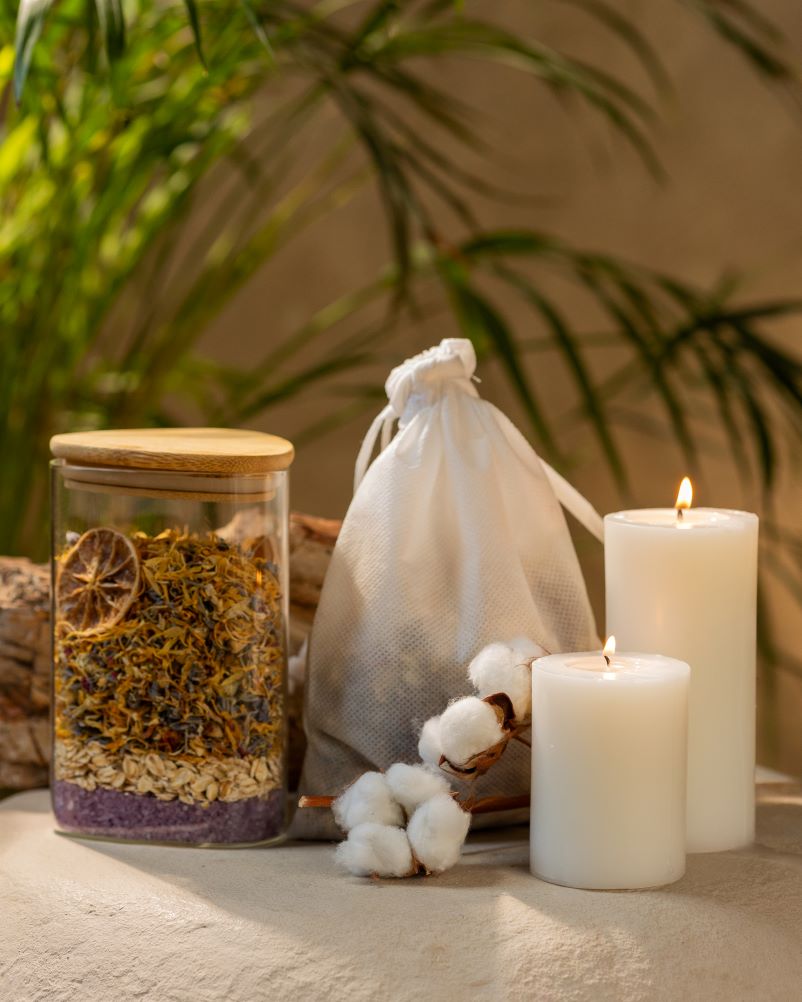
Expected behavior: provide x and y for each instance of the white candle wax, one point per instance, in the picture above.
(688, 587)
(609, 747)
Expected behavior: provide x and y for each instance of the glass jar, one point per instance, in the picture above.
(170, 585)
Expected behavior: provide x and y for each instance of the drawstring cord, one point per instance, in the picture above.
(568, 496)
(382, 423)
(575, 503)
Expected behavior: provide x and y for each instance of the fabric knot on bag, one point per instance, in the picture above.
(419, 380)
(415, 384)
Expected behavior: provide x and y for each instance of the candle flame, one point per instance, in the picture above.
(684, 495)
(609, 647)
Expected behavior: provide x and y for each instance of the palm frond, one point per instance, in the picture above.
(112, 25)
(627, 32)
(568, 345)
(751, 33)
(489, 331)
(684, 344)
(194, 22)
(30, 17)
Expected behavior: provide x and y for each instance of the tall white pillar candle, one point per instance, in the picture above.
(687, 586)
(609, 746)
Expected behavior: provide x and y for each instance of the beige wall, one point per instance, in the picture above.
(733, 152)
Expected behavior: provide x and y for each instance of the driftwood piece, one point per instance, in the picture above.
(24, 673)
(311, 544)
(25, 649)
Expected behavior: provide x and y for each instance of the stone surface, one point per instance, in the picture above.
(93, 921)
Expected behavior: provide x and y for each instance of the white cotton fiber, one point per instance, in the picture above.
(411, 785)
(430, 748)
(502, 668)
(468, 727)
(368, 799)
(436, 832)
(526, 648)
(380, 849)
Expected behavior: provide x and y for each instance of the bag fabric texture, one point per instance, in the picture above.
(455, 538)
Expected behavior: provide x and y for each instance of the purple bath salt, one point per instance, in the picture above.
(143, 817)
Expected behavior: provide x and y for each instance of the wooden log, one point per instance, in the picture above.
(24, 673)
(25, 650)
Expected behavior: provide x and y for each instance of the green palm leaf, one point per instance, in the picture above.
(30, 16)
(195, 24)
(112, 25)
(569, 346)
(489, 331)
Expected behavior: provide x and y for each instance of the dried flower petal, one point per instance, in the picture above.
(189, 678)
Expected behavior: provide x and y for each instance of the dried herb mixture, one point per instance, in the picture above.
(180, 695)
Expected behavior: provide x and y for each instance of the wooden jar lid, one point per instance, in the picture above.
(215, 451)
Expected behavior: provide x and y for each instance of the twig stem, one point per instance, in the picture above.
(485, 806)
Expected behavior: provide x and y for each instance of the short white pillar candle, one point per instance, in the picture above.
(685, 583)
(609, 747)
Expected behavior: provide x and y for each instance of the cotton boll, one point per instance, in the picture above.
(527, 649)
(490, 670)
(380, 849)
(430, 747)
(411, 785)
(468, 727)
(500, 668)
(368, 799)
(436, 832)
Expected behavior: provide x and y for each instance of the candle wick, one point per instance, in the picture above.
(680, 514)
(606, 658)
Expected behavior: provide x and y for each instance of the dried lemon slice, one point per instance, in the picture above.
(97, 581)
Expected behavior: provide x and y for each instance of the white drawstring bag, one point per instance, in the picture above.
(454, 539)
